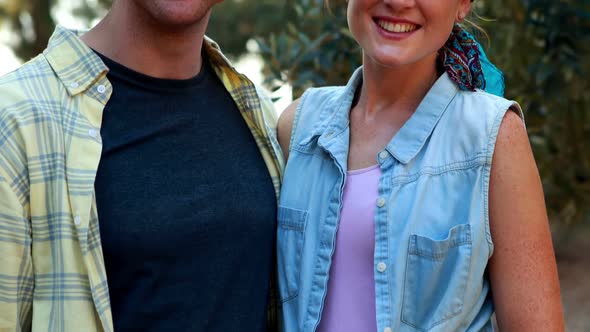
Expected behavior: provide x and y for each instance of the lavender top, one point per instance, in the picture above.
(350, 301)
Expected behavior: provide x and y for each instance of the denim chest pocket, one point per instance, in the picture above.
(436, 278)
(290, 236)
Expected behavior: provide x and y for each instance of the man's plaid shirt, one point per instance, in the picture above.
(52, 273)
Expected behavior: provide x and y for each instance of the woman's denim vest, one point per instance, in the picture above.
(432, 236)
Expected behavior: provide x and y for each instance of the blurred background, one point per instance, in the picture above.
(543, 47)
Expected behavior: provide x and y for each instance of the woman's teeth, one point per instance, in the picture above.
(396, 27)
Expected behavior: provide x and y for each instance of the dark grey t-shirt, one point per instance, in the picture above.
(186, 207)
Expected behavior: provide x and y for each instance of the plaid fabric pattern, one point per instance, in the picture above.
(52, 273)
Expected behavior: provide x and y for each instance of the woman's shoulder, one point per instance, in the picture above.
(471, 123)
(479, 108)
(487, 102)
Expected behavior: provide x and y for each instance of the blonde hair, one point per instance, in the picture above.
(475, 29)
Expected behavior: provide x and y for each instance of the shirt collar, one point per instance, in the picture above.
(74, 63)
(78, 67)
(410, 139)
(337, 119)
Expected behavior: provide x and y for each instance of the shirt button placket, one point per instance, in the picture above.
(93, 133)
(381, 266)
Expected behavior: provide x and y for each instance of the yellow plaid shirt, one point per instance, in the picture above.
(52, 273)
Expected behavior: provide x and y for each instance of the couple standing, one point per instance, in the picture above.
(140, 176)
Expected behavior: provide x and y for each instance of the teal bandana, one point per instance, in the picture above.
(465, 61)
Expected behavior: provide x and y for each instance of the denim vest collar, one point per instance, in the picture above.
(408, 141)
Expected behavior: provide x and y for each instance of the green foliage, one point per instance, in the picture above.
(32, 23)
(234, 22)
(313, 48)
(90, 11)
(541, 45)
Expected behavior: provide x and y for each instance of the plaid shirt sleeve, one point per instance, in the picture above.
(16, 266)
(50, 255)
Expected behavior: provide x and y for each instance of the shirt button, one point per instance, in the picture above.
(93, 133)
(387, 329)
(381, 202)
(381, 267)
(329, 134)
(74, 85)
(77, 220)
(101, 89)
(383, 154)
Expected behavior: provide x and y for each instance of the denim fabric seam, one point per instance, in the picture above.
(477, 161)
(339, 184)
(387, 303)
(308, 148)
(385, 290)
(435, 256)
(491, 145)
(298, 227)
(405, 288)
(290, 297)
(292, 227)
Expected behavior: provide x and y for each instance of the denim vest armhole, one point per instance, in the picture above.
(502, 107)
(298, 112)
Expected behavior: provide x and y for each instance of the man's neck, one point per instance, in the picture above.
(134, 40)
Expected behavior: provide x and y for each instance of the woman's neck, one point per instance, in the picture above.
(395, 88)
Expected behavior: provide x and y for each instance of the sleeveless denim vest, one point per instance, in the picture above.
(432, 237)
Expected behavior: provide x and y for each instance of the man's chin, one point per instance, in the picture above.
(179, 14)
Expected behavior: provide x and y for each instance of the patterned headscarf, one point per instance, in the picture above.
(467, 65)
